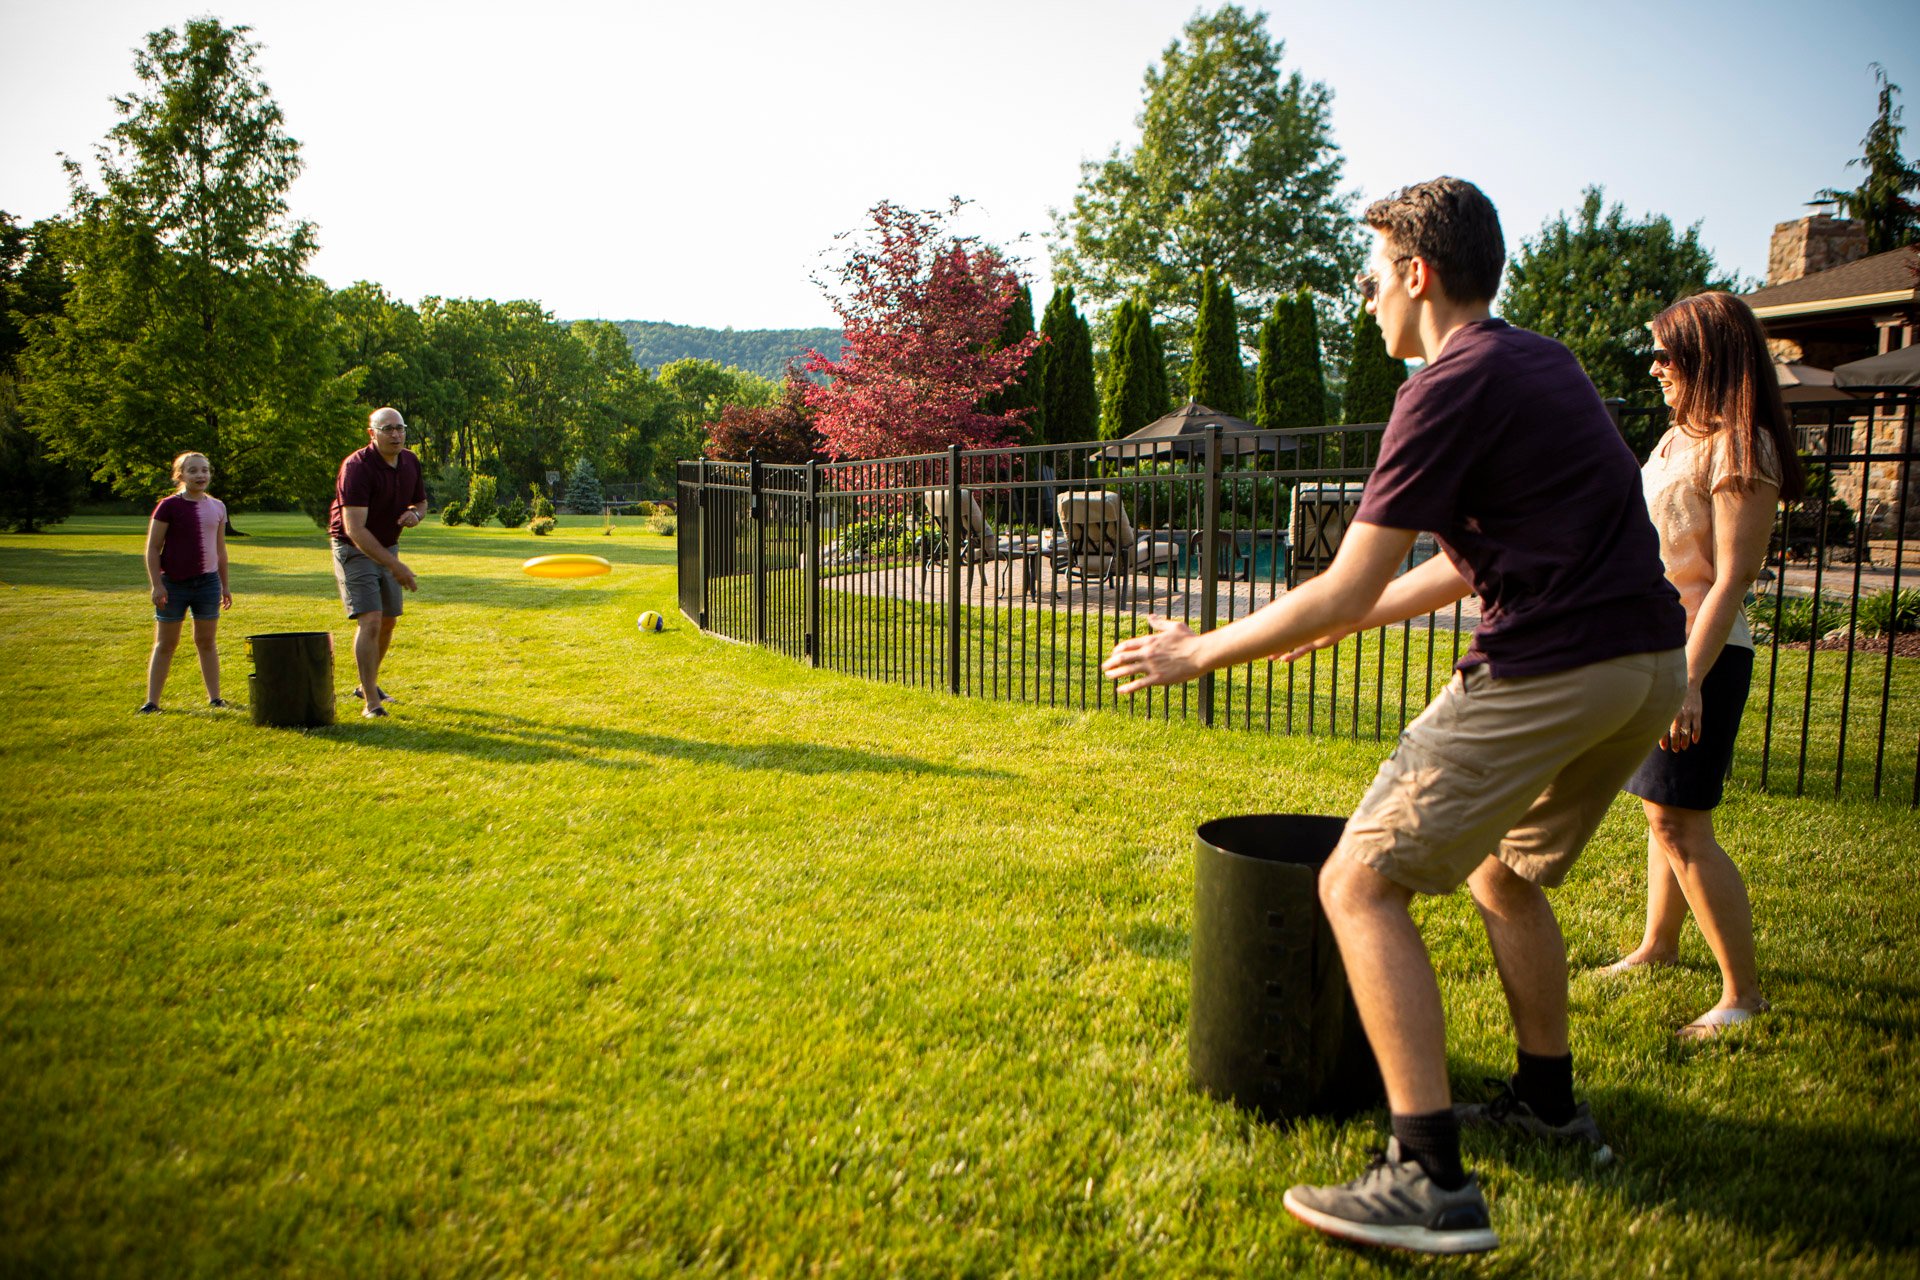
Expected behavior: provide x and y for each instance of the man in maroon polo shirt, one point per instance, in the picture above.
(1502, 449)
(379, 492)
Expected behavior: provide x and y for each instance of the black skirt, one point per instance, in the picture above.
(1695, 778)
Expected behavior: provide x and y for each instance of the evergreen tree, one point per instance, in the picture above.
(1373, 376)
(1300, 398)
(1267, 380)
(1136, 391)
(1022, 395)
(1216, 378)
(1070, 399)
(583, 488)
(1883, 200)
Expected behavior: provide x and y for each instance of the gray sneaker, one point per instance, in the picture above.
(1394, 1203)
(1505, 1111)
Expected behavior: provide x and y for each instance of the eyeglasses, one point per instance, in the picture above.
(1369, 283)
(1663, 357)
(393, 426)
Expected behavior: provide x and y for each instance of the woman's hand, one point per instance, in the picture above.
(226, 598)
(1685, 731)
(1168, 656)
(159, 595)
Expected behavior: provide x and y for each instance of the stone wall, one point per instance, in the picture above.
(1816, 243)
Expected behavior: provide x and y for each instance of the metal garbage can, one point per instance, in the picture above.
(292, 682)
(1272, 1024)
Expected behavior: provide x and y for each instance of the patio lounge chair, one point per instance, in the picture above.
(1101, 543)
(977, 540)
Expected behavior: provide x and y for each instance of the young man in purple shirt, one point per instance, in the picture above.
(1501, 448)
(378, 493)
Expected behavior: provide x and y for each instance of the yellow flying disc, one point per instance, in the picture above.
(567, 566)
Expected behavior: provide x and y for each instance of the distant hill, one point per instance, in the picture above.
(761, 351)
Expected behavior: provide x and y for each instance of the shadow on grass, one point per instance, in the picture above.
(497, 737)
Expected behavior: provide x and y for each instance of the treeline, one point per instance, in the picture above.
(170, 309)
(765, 352)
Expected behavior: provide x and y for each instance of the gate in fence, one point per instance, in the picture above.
(1009, 574)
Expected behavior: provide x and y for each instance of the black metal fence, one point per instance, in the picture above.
(1009, 574)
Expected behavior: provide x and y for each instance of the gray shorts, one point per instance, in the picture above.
(365, 587)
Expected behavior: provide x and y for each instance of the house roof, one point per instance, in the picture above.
(1881, 280)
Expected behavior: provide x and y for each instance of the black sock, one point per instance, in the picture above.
(1433, 1139)
(1546, 1086)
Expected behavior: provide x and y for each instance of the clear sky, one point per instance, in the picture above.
(691, 162)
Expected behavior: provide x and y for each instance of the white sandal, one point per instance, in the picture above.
(1714, 1022)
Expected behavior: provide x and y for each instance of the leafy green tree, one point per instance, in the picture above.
(1022, 395)
(192, 323)
(1069, 396)
(483, 500)
(1594, 281)
(1373, 376)
(1235, 170)
(35, 490)
(384, 350)
(1883, 199)
(1216, 377)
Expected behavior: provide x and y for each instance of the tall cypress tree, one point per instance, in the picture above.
(1069, 400)
(1217, 379)
(1024, 392)
(1301, 397)
(1269, 389)
(1373, 376)
(1136, 390)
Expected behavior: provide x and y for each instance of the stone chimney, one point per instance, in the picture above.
(1812, 244)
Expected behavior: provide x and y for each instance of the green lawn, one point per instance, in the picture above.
(615, 953)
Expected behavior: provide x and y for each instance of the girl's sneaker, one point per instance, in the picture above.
(149, 709)
(219, 704)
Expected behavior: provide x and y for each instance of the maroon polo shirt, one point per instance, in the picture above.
(385, 491)
(1503, 451)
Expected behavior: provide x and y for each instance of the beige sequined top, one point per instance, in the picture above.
(1680, 479)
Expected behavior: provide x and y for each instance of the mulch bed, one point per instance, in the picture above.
(1904, 646)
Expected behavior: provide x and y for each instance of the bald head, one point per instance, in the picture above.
(387, 431)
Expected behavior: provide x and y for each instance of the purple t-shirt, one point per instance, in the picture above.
(192, 544)
(385, 491)
(1502, 450)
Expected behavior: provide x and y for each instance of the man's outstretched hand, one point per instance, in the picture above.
(1169, 655)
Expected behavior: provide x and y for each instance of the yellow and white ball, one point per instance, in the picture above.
(651, 621)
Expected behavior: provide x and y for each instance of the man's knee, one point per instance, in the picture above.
(371, 621)
(1350, 887)
(1495, 884)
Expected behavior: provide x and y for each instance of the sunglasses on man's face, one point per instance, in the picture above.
(1369, 284)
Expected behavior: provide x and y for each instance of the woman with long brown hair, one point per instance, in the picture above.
(1712, 484)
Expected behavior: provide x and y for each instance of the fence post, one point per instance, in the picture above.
(756, 511)
(953, 569)
(700, 533)
(812, 517)
(1614, 406)
(1210, 564)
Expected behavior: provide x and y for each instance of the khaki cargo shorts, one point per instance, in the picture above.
(1523, 768)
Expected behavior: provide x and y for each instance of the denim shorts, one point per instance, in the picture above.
(201, 594)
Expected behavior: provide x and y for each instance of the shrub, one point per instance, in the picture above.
(1797, 619)
(643, 508)
(664, 523)
(513, 514)
(482, 500)
(541, 526)
(1889, 613)
(451, 483)
(452, 514)
(542, 505)
(583, 487)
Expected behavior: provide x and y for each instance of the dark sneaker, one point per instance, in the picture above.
(1505, 1111)
(1394, 1203)
(374, 713)
(385, 697)
(219, 704)
(149, 709)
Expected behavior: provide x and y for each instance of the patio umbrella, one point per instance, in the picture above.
(1184, 432)
(1803, 383)
(1895, 369)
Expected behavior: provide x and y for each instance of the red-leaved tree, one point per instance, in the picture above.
(779, 432)
(921, 311)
